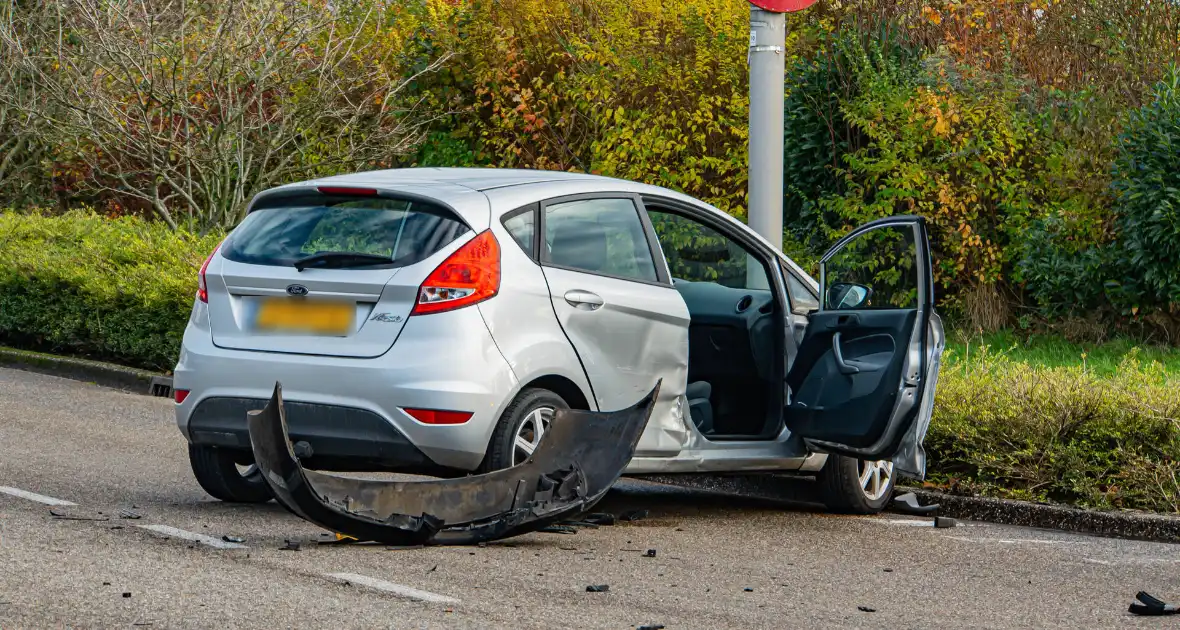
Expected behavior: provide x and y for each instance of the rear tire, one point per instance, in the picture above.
(850, 486)
(216, 469)
(531, 408)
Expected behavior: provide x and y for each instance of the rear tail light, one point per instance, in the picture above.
(468, 276)
(179, 395)
(434, 416)
(202, 286)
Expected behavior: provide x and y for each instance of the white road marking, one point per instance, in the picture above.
(216, 543)
(33, 496)
(905, 521)
(1019, 541)
(390, 587)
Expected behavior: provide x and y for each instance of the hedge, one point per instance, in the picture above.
(121, 290)
(81, 284)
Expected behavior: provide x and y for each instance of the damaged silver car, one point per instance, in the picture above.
(444, 321)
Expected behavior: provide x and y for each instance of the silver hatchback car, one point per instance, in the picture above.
(431, 321)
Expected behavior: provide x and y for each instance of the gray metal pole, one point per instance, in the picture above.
(768, 36)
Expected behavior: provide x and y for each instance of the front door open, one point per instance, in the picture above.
(857, 383)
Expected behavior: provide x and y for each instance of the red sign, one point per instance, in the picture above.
(782, 6)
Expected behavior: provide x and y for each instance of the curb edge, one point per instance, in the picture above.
(99, 372)
(1129, 524)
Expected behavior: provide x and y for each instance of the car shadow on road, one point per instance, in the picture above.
(711, 495)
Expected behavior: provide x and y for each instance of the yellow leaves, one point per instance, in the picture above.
(933, 16)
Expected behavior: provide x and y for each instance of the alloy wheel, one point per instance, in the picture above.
(529, 434)
(875, 478)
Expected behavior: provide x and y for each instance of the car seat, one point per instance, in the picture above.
(699, 407)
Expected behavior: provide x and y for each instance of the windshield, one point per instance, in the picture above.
(405, 231)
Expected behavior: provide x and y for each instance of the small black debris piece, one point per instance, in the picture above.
(1149, 606)
(748, 589)
(650, 553)
(558, 529)
(64, 516)
(866, 609)
(106, 583)
(233, 539)
(889, 570)
(303, 450)
(633, 515)
(126, 595)
(908, 504)
(942, 522)
(651, 626)
(290, 545)
(433, 569)
(598, 588)
(600, 518)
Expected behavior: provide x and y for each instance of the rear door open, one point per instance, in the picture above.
(332, 273)
(869, 356)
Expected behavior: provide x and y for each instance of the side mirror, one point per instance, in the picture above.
(846, 295)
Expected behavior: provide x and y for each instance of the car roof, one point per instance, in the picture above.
(480, 179)
(478, 194)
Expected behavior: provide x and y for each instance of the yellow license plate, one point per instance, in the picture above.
(305, 316)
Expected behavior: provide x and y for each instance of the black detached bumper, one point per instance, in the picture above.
(579, 458)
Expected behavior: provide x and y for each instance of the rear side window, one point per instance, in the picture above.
(522, 227)
(406, 231)
(603, 236)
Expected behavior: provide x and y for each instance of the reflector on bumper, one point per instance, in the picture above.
(580, 457)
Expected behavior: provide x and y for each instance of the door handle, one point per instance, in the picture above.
(844, 367)
(847, 321)
(584, 300)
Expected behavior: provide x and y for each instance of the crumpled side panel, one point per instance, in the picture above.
(667, 432)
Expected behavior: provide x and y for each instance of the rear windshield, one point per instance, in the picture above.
(406, 231)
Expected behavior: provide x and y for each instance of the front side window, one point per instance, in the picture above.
(699, 253)
(803, 301)
(878, 269)
(404, 231)
(602, 236)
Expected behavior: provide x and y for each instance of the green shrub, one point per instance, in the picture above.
(1063, 434)
(1147, 182)
(119, 290)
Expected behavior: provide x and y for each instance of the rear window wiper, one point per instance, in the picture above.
(341, 260)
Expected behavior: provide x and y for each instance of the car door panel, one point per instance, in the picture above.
(831, 405)
(633, 335)
(862, 383)
(629, 331)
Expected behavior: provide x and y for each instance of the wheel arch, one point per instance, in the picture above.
(562, 386)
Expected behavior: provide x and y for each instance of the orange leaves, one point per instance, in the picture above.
(931, 15)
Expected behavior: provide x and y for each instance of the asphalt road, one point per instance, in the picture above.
(721, 562)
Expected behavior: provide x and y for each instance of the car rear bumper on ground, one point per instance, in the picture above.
(353, 408)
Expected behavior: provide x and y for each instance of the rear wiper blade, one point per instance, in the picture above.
(340, 260)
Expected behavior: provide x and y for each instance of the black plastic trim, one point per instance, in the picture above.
(342, 438)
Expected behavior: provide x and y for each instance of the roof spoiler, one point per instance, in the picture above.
(578, 460)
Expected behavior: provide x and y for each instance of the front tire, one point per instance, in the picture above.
(519, 431)
(217, 470)
(852, 486)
